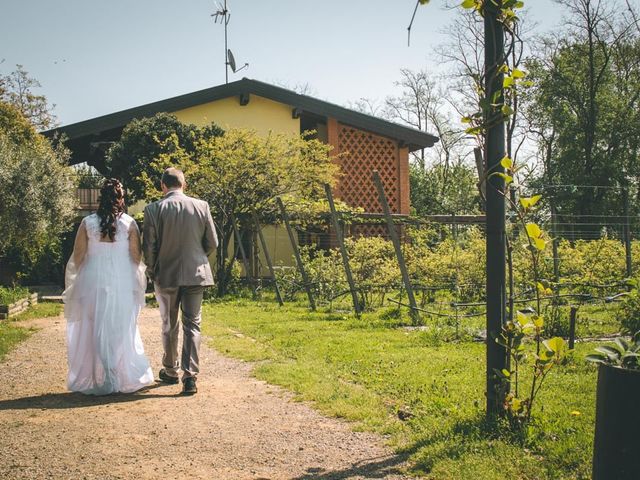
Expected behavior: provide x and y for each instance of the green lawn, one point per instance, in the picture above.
(12, 332)
(372, 372)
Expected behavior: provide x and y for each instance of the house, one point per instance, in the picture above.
(366, 142)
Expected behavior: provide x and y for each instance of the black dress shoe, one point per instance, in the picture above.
(166, 378)
(189, 386)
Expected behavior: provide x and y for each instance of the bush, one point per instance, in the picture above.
(9, 295)
(629, 313)
(375, 269)
(556, 322)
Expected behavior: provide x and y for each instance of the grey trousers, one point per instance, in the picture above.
(171, 301)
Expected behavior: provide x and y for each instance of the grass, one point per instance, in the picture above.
(12, 333)
(374, 373)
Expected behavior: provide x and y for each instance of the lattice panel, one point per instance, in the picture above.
(369, 230)
(366, 152)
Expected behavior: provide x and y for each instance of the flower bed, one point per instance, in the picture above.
(14, 301)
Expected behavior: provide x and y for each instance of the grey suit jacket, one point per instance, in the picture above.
(178, 236)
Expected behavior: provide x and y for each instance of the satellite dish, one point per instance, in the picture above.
(231, 60)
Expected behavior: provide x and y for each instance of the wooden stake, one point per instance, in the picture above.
(296, 253)
(343, 250)
(267, 257)
(396, 245)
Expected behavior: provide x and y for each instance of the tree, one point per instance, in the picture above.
(37, 188)
(437, 190)
(143, 141)
(17, 90)
(240, 172)
(585, 103)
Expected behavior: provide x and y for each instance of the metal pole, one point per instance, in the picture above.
(343, 250)
(296, 253)
(267, 256)
(226, 49)
(495, 222)
(396, 245)
(627, 230)
(554, 242)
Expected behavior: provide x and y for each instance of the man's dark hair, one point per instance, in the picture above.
(173, 178)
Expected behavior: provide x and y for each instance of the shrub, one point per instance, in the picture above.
(10, 295)
(629, 313)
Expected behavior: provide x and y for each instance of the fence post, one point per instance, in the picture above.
(296, 253)
(343, 250)
(572, 327)
(627, 230)
(554, 241)
(267, 256)
(396, 245)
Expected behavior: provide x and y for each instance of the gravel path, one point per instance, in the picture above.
(235, 428)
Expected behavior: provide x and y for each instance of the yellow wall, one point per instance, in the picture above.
(279, 246)
(260, 114)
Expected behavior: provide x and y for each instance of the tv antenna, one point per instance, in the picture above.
(223, 15)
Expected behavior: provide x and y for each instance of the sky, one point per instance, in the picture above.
(96, 57)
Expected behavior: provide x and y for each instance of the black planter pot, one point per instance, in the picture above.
(616, 450)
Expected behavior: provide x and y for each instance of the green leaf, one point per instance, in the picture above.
(466, 120)
(507, 82)
(474, 130)
(555, 344)
(424, 2)
(468, 4)
(610, 352)
(506, 373)
(539, 243)
(596, 358)
(528, 202)
(506, 162)
(507, 110)
(518, 73)
(538, 321)
(624, 346)
(507, 178)
(522, 318)
(533, 230)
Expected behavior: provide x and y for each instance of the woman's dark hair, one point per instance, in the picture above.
(111, 206)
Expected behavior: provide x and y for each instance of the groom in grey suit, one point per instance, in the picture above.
(178, 236)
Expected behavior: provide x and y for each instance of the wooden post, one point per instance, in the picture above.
(296, 253)
(572, 327)
(267, 256)
(343, 251)
(245, 260)
(396, 245)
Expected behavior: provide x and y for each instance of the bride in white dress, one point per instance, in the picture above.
(105, 285)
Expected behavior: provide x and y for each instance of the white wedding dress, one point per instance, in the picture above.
(105, 285)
